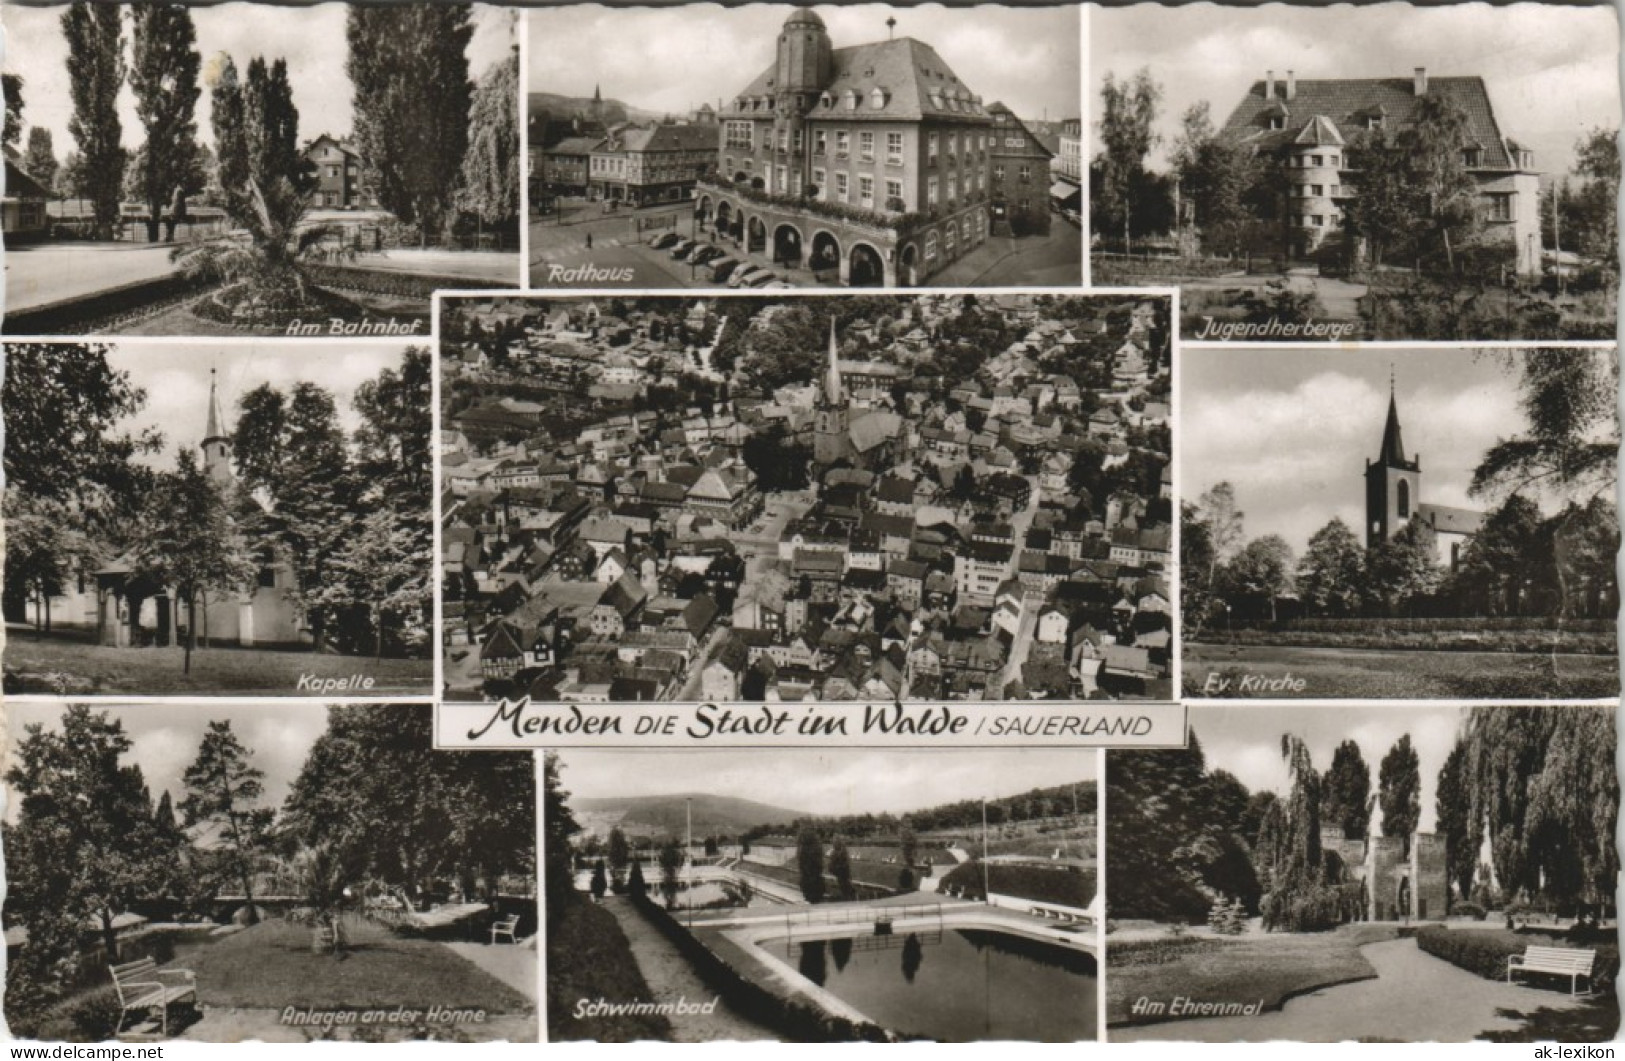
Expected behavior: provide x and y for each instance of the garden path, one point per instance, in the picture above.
(1416, 998)
(671, 977)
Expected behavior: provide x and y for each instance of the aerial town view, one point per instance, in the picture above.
(945, 496)
(768, 147)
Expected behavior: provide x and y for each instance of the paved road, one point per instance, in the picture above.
(1416, 998)
(42, 274)
(670, 977)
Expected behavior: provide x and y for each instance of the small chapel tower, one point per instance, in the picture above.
(216, 444)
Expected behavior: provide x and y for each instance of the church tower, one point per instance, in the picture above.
(216, 445)
(1393, 485)
(831, 414)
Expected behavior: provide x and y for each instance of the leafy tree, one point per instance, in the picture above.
(1453, 806)
(40, 161)
(1508, 556)
(1399, 793)
(1593, 216)
(11, 86)
(1331, 573)
(81, 849)
(620, 853)
(1128, 109)
(490, 174)
(671, 864)
(1346, 792)
(190, 542)
(600, 880)
(1215, 176)
(1263, 569)
(409, 72)
(1415, 192)
(94, 35)
(559, 825)
(636, 886)
(840, 867)
(1291, 852)
(224, 789)
(1196, 554)
(164, 75)
(810, 865)
(1216, 510)
(907, 844)
(1404, 568)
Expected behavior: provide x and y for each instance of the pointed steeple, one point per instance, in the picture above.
(1393, 446)
(832, 377)
(213, 430)
(597, 94)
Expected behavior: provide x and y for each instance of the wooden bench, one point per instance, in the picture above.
(141, 987)
(508, 926)
(1558, 961)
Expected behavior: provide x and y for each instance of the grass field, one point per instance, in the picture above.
(271, 965)
(73, 668)
(1348, 673)
(588, 957)
(1272, 968)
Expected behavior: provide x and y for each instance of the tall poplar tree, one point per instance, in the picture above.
(409, 69)
(95, 39)
(164, 74)
(490, 177)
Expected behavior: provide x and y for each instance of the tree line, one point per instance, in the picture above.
(1533, 787)
(374, 805)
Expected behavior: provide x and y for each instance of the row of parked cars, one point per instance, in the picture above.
(722, 267)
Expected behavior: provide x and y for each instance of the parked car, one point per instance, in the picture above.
(739, 272)
(722, 268)
(707, 253)
(681, 247)
(778, 285)
(664, 240)
(761, 279)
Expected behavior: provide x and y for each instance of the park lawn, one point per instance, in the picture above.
(100, 669)
(1271, 967)
(270, 966)
(588, 957)
(1339, 673)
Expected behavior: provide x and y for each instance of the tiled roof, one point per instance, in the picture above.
(1347, 102)
(915, 81)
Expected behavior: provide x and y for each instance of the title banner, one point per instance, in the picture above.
(527, 723)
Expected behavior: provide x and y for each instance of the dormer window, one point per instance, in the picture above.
(936, 98)
(1374, 121)
(851, 99)
(877, 98)
(826, 101)
(1277, 123)
(1473, 156)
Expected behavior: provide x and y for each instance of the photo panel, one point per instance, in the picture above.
(1373, 873)
(311, 170)
(1367, 172)
(771, 499)
(771, 146)
(201, 519)
(824, 896)
(1376, 523)
(279, 872)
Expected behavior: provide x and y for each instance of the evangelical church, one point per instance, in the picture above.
(132, 611)
(1393, 496)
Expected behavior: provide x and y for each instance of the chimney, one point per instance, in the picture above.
(1291, 85)
(1269, 84)
(1421, 81)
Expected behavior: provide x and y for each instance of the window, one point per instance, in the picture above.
(1374, 121)
(821, 179)
(740, 135)
(1012, 141)
(1499, 207)
(783, 182)
(953, 143)
(931, 146)
(894, 190)
(841, 185)
(931, 192)
(797, 140)
(1317, 190)
(1025, 173)
(1404, 499)
(950, 236)
(866, 146)
(1317, 160)
(843, 143)
(1473, 156)
(820, 142)
(877, 98)
(784, 140)
(1277, 122)
(866, 190)
(953, 187)
(998, 172)
(931, 246)
(1317, 221)
(894, 149)
(332, 171)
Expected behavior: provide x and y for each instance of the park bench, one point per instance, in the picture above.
(1558, 961)
(141, 988)
(508, 926)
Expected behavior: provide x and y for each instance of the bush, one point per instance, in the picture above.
(1469, 909)
(1484, 952)
(96, 1016)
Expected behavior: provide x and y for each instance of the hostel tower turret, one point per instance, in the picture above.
(806, 62)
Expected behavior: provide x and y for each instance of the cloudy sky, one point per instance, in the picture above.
(1552, 69)
(311, 39)
(851, 781)
(1291, 430)
(176, 379)
(165, 738)
(672, 60)
(1247, 741)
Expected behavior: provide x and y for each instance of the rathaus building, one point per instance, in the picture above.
(867, 164)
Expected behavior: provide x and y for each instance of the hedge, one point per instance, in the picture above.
(1484, 952)
(1065, 886)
